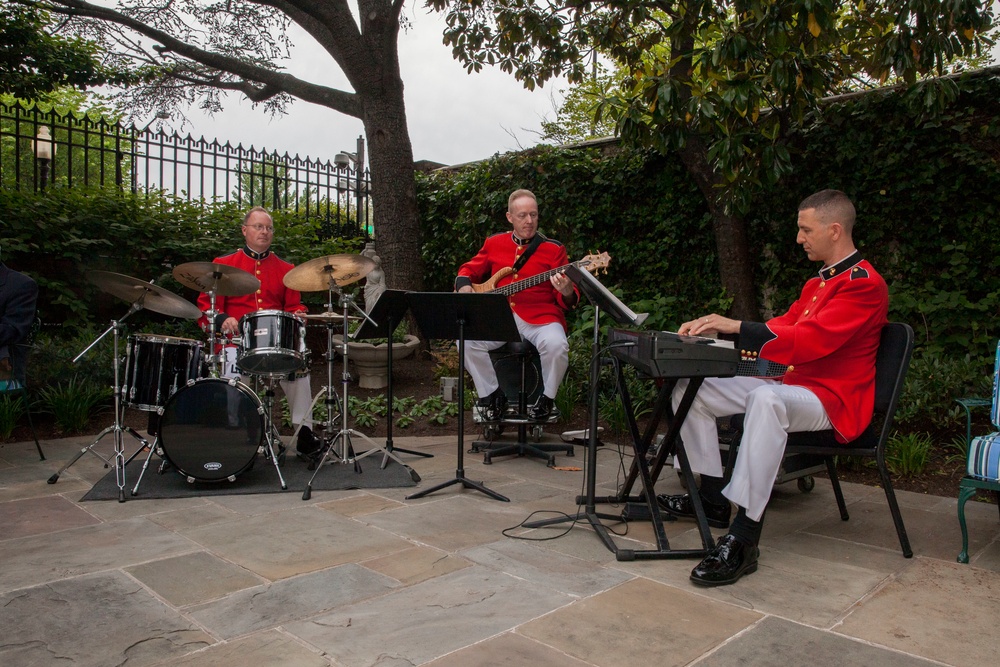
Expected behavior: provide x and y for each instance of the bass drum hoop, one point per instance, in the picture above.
(200, 440)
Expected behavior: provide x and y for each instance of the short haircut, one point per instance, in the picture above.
(517, 194)
(256, 209)
(832, 206)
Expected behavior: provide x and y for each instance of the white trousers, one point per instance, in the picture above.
(772, 411)
(553, 351)
(297, 391)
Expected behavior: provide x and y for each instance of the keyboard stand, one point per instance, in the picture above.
(644, 506)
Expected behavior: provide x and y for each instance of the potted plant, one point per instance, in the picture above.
(371, 357)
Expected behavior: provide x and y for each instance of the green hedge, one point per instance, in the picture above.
(927, 192)
(60, 235)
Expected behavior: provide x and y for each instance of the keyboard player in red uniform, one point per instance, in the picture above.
(828, 338)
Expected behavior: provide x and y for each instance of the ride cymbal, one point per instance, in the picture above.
(147, 295)
(316, 274)
(223, 279)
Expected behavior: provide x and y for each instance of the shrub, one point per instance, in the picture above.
(74, 402)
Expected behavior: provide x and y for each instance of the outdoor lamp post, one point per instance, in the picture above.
(44, 149)
(343, 159)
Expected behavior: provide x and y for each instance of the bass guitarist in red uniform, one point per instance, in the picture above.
(539, 311)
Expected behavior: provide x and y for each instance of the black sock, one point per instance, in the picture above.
(745, 529)
(711, 490)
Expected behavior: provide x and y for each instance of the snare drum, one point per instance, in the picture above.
(212, 429)
(156, 367)
(272, 342)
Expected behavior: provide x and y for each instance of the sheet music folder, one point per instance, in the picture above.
(387, 311)
(483, 316)
(603, 299)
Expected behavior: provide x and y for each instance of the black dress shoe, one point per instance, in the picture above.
(306, 443)
(726, 563)
(492, 407)
(681, 507)
(543, 408)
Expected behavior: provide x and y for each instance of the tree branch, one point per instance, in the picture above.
(332, 98)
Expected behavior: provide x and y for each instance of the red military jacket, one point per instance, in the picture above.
(272, 295)
(829, 338)
(540, 304)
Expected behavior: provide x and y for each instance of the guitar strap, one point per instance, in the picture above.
(536, 241)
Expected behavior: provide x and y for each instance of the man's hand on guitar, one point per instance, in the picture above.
(465, 289)
(562, 283)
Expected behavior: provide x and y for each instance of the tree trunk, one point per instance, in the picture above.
(735, 266)
(394, 192)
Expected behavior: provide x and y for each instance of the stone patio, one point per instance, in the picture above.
(366, 577)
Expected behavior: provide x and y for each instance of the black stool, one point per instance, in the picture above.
(519, 372)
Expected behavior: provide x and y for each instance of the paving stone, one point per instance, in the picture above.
(509, 649)
(933, 534)
(933, 609)
(100, 619)
(34, 560)
(284, 544)
(451, 523)
(290, 600)
(416, 564)
(37, 516)
(193, 578)
(430, 619)
(640, 623)
(264, 649)
(194, 517)
(774, 641)
(361, 504)
(542, 567)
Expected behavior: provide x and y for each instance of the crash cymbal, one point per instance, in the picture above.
(225, 280)
(147, 295)
(316, 274)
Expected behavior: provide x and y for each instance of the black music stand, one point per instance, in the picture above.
(386, 315)
(461, 316)
(605, 300)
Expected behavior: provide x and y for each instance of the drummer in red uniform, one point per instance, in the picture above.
(257, 259)
(828, 339)
(539, 311)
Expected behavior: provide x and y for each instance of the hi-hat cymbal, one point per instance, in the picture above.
(225, 280)
(316, 274)
(147, 295)
(330, 316)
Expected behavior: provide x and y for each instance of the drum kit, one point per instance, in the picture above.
(208, 427)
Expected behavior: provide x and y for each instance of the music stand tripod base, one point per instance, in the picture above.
(462, 316)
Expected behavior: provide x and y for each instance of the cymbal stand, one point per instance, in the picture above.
(344, 436)
(117, 428)
(215, 359)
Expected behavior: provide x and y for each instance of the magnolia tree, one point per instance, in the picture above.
(719, 82)
(175, 53)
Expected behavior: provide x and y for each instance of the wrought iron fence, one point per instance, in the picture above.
(40, 149)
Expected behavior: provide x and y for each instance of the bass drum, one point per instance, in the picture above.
(212, 429)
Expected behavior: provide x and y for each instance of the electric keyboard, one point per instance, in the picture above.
(663, 354)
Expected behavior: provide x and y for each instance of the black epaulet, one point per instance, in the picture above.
(859, 272)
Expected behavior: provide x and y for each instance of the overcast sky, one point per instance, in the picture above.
(453, 117)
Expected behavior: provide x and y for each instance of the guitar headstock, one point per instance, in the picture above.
(595, 263)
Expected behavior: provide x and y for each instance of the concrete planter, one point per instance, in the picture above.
(372, 361)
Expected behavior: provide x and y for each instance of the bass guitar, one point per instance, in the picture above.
(592, 263)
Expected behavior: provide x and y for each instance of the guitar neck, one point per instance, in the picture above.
(536, 279)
